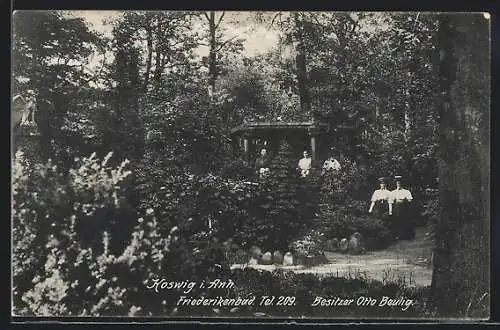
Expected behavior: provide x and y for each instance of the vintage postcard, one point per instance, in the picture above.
(234, 165)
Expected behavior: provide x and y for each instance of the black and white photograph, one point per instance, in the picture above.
(262, 165)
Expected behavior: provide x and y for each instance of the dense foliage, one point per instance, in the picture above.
(63, 268)
(63, 219)
(90, 232)
(51, 53)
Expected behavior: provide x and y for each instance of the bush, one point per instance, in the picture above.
(344, 185)
(341, 221)
(58, 273)
(188, 133)
(49, 205)
(238, 170)
(281, 209)
(178, 195)
(310, 245)
(268, 213)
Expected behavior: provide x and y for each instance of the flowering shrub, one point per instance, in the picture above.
(98, 182)
(82, 281)
(58, 273)
(47, 207)
(46, 296)
(348, 182)
(310, 245)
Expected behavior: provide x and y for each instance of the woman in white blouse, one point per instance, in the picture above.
(304, 165)
(401, 199)
(381, 201)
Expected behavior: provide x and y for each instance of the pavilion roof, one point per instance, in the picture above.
(276, 126)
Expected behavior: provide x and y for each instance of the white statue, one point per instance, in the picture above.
(24, 109)
(30, 111)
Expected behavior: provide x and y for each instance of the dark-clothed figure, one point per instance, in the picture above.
(262, 164)
(401, 200)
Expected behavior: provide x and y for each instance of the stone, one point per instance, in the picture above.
(255, 252)
(277, 257)
(344, 245)
(288, 259)
(335, 243)
(266, 259)
(332, 244)
(356, 244)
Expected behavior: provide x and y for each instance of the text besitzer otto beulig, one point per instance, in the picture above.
(187, 287)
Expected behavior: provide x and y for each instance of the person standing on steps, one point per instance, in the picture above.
(262, 164)
(401, 199)
(304, 165)
(381, 203)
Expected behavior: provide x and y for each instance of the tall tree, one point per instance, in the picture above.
(401, 87)
(412, 41)
(301, 62)
(322, 44)
(123, 127)
(461, 278)
(217, 44)
(168, 40)
(50, 53)
(294, 29)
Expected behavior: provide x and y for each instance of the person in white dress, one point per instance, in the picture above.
(401, 199)
(304, 165)
(400, 194)
(381, 202)
(331, 165)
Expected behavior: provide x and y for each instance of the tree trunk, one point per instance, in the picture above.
(212, 59)
(301, 62)
(461, 258)
(149, 60)
(158, 68)
(408, 106)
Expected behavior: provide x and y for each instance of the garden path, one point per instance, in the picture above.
(403, 261)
